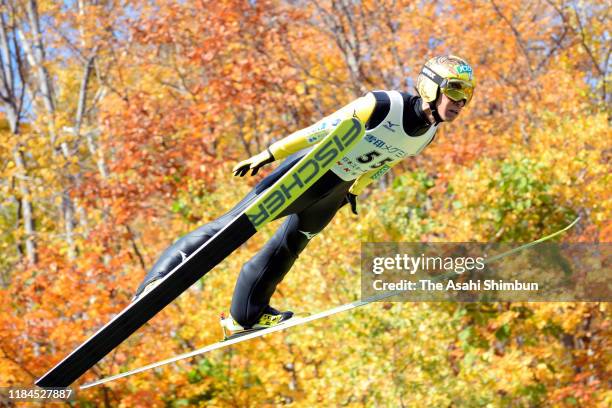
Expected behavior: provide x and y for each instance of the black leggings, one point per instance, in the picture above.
(258, 278)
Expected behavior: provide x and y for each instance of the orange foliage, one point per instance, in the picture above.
(177, 91)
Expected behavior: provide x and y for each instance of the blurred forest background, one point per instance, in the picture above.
(120, 123)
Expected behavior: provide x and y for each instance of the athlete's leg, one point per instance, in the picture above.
(186, 245)
(262, 273)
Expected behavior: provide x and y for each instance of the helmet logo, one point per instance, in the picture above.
(465, 69)
(432, 75)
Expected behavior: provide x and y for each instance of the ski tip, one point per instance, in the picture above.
(574, 222)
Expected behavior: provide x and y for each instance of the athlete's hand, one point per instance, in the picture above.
(253, 163)
(352, 200)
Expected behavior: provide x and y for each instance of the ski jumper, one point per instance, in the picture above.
(396, 127)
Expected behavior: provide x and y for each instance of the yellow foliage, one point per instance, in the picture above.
(180, 90)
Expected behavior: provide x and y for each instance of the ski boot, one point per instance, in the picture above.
(270, 318)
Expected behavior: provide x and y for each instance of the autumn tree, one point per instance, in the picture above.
(120, 123)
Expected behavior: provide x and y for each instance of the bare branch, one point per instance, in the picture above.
(516, 34)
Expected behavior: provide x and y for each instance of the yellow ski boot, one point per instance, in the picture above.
(271, 317)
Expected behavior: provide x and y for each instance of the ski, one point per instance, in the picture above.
(515, 250)
(265, 208)
(296, 321)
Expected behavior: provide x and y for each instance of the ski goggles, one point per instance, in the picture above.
(457, 89)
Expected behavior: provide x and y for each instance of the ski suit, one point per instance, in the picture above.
(396, 127)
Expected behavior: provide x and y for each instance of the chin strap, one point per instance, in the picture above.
(434, 112)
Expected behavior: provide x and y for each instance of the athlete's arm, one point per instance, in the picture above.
(360, 108)
(365, 179)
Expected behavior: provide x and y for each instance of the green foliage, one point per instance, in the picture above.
(403, 211)
(524, 190)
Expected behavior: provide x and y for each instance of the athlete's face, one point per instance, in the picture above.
(449, 109)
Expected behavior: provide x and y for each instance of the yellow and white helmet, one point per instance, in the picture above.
(448, 74)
